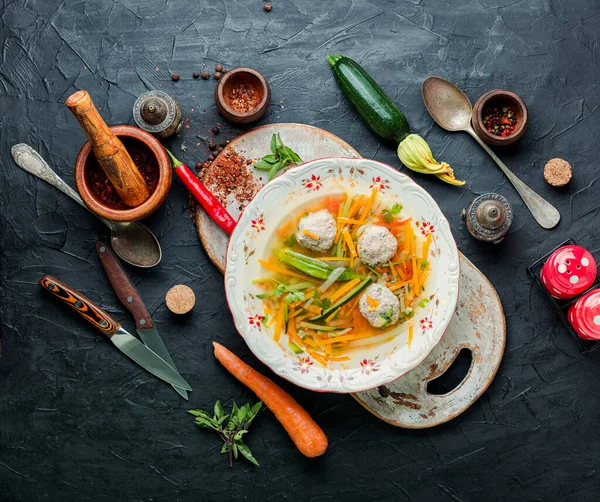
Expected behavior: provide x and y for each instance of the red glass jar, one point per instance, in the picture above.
(569, 271)
(584, 315)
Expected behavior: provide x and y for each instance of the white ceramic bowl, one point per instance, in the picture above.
(369, 366)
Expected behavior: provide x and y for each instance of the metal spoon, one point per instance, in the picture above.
(451, 109)
(133, 242)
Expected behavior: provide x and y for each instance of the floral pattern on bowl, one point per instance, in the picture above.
(369, 366)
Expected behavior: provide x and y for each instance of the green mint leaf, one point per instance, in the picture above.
(274, 144)
(235, 450)
(203, 422)
(243, 413)
(245, 451)
(279, 142)
(293, 155)
(423, 302)
(219, 411)
(271, 159)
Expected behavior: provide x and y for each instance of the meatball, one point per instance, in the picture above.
(376, 245)
(379, 306)
(321, 225)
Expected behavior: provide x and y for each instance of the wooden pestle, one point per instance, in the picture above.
(109, 151)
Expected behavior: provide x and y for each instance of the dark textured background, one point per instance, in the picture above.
(80, 422)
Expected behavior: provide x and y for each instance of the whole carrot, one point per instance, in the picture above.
(206, 199)
(305, 433)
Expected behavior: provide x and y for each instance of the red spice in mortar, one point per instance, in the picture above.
(499, 119)
(243, 98)
(102, 188)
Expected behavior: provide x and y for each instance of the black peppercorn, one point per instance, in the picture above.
(196, 75)
(223, 143)
(224, 71)
(268, 7)
(211, 157)
(217, 75)
(219, 67)
(205, 75)
(220, 149)
(212, 145)
(174, 77)
(199, 165)
(215, 130)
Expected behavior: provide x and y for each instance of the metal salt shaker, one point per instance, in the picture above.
(488, 217)
(157, 113)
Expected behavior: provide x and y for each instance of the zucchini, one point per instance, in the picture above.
(345, 299)
(385, 119)
(376, 109)
(311, 266)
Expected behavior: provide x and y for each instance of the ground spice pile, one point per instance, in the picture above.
(243, 98)
(231, 175)
(101, 186)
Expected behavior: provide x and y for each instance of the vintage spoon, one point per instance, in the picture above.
(451, 109)
(133, 242)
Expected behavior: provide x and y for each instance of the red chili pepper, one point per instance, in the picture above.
(206, 199)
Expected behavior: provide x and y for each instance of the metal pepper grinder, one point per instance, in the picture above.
(488, 217)
(157, 113)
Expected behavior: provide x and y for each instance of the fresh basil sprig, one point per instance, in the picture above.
(232, 434)
(281, 157)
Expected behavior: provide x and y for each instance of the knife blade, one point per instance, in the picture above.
(124, 341)
(131, 299)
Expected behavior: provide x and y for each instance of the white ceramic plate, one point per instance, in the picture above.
(369, 366)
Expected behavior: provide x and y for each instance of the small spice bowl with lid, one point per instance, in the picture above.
(500, 117)
(242, 95)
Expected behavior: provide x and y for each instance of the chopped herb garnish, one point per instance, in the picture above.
(324, 303)
(291, 241)
(423, 302)
(388, 214)
(424, 265)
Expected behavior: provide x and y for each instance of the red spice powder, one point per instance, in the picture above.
(231, 174)
(243, 98)
(102, 188)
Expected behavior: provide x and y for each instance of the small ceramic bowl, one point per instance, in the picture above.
(501, 97)
(584, 315)
(150, 147)
(239, 77)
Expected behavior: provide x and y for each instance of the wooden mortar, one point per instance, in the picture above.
(109, 151)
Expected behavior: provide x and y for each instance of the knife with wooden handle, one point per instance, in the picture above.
(132, 301)
(124, 341)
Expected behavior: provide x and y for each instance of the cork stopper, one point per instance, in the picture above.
(180, 299)
(557, 172)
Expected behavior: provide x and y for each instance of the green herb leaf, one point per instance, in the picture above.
(396, 208)
(219, 411)
(265, 320)
(273, 171)
(263, 165)
(388, 214)
(274, 144)
(294, 296)
(424, 264)
(291, 241)
(325, 303)
(232, 434)
(245, 451)
(270, 159)
(423, 302)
